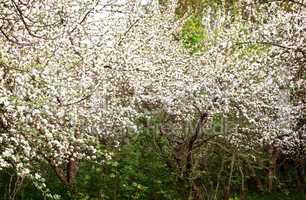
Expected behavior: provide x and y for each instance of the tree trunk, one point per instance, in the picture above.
(258, 182)
(72, 165)
(242, 191)
(228, 187)
(273, 155)
(68, 178)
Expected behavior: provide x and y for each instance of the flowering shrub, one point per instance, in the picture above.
(76, 72)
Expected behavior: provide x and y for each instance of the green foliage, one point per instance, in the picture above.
(184, 6)
(215, 4)
(193, 34)
(254, 49)
(139, 172)
(276, 196)
(135, 172)
(217, 123)
(26, 190)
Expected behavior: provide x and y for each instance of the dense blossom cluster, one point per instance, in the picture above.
(75, 72)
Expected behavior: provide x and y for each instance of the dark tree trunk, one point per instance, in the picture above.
(301, 176)
(273, 155)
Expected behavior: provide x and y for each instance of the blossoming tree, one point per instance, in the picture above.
(76, 72)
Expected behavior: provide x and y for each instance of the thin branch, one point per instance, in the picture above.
(190, 147)
(127, 31)
(84, 98)
(272, 44)
(199, 125)
(85, 17)
(297, 2)
(292, 1)
(24, 22)
(11, 40)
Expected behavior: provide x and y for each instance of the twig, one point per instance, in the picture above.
(10, 40)
(24, 22)
(84, 98)
(292, 1)
(272, 44)
(127, 31)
